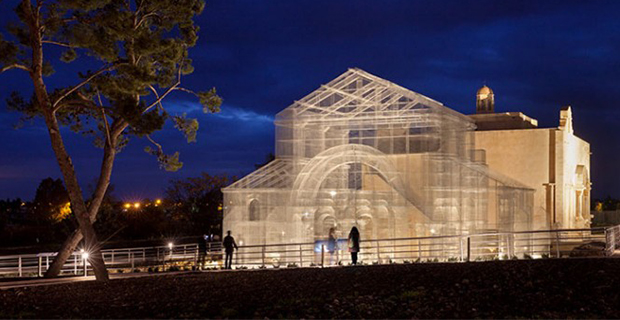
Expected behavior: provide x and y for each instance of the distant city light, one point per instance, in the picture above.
(157, 202)
(127, 205)
(136, 205)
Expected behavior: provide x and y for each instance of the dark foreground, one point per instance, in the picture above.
(575, 288)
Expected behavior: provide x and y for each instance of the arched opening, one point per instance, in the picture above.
(254, 210)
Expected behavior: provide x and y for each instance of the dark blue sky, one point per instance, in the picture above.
(261, 55)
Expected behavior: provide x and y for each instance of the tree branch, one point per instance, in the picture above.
(105, 121)
(186, 90)
(156, 96)
(144, 19)
(159, 148)
(57, 43)
(56, 105)
(14, 66)
(174, 87)
(159, 99)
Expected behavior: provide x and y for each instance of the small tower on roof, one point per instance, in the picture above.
(485, 100)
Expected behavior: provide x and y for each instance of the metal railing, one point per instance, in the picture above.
(475, 247)
(612, 239)
(35, 265)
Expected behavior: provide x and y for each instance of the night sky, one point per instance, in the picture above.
(262, 55)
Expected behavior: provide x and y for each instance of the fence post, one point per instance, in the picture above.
(112, 257)
(263, 255)
(75, 263)
(420, 250)
(47, 262)
(379, 252)
(338, 255)
(301, 257)
(461, 249)
(322, 255)
(236, 258)
(40, 265)
(468, 248)
(132, 256)
(19, 265)
(557, 244)
(143, 255)
(85, 267)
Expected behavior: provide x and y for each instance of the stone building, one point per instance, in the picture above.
(552, 161)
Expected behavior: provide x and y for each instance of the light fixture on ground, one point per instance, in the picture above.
(85, 259)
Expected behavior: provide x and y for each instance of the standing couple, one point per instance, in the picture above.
(353, 243)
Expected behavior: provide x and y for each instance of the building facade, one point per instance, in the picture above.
(552, 161)
(362, 151)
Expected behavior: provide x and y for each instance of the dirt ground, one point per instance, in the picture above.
(548, 288)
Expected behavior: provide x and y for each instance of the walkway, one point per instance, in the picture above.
(22, 283)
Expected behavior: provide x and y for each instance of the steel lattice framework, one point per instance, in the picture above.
(362, 151)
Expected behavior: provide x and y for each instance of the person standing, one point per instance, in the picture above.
(229, 246)
(354, 244)
(332, 244)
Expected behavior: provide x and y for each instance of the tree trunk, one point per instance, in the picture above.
(62, 157)
(64, 253)
(91, 244)
(71, 243)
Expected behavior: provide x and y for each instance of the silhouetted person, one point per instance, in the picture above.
(332, 244)
(354, 244)
(229, 246)
(202, 250)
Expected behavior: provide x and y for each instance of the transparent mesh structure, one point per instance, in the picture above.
(362, 151)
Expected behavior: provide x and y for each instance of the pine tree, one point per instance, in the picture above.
(142, 50)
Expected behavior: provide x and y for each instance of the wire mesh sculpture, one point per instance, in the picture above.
(362, 151)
